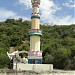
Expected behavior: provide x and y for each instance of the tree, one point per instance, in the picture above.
(4, 60)
(48, 59)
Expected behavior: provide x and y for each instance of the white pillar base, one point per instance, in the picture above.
(34, 67)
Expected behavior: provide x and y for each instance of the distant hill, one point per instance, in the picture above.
(57, 42)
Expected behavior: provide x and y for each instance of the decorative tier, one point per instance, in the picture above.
(35, 2)
(35, 53)
(36, 16)
(35, 32)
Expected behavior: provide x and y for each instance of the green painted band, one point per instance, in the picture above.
(35, 17)
(39, 34)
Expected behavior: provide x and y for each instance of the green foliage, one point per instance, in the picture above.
(57, 42)
(59, 46)
(3, 56)
(13, 33)
(48, 58)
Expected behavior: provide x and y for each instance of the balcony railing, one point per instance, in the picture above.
(35, 53)
(35, 14)
(35, 31)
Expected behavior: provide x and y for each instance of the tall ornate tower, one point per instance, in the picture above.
(35, 55)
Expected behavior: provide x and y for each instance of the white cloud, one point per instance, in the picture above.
(27, 3)
(48, 9)
(5, 14)
(65, 20)
(69, 3)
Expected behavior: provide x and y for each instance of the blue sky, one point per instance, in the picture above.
(52, 11)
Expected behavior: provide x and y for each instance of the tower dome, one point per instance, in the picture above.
(35, 1)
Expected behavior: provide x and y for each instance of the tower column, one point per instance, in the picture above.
(35, 55)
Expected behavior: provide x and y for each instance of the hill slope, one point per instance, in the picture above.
(57, 42)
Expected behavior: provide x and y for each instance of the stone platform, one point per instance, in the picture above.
(54, 72)
(33, 67)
